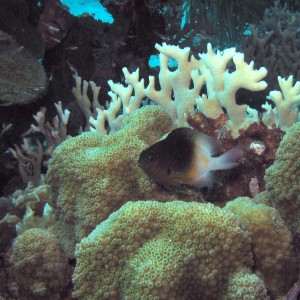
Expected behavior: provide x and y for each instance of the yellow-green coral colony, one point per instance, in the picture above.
(182, 250)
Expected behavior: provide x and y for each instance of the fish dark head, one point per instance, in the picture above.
(154, 163)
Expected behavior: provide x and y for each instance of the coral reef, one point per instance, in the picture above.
(96, 214)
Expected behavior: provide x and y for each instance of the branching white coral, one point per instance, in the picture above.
(180, 89)
(287, 102)
(222, 85)
(54, 133)
(80, 91)
(30, 157)
(175, 95)
(130, 101)
(128, 98)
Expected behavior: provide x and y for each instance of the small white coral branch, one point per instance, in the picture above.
(130, 101)
(108, 115)
(80, 91)
(59, 125)
(269, 117)
(103, 120)
(63, 114)
(10, 219)
(54, 133)
(286, 101)
(98, 123)
(40, 119)
(211, 109)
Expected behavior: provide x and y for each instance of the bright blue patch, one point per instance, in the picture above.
(184, 20)
(154, 62)
(247, 32)
(91, 7)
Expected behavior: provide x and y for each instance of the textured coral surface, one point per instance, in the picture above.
(38, 265)
(282, 178)
(273, 254)
(155, 250)
(181, 250)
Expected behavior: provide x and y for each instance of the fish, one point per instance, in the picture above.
(186, 157)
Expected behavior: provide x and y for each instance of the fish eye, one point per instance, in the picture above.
(151, 158)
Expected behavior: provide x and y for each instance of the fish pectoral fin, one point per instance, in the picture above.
(205, 180)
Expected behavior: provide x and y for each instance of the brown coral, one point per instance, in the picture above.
(38, 266)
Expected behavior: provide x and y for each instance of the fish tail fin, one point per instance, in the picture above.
(229, 159)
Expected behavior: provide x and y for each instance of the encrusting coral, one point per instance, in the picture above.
(155, 250)
(181, 250)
